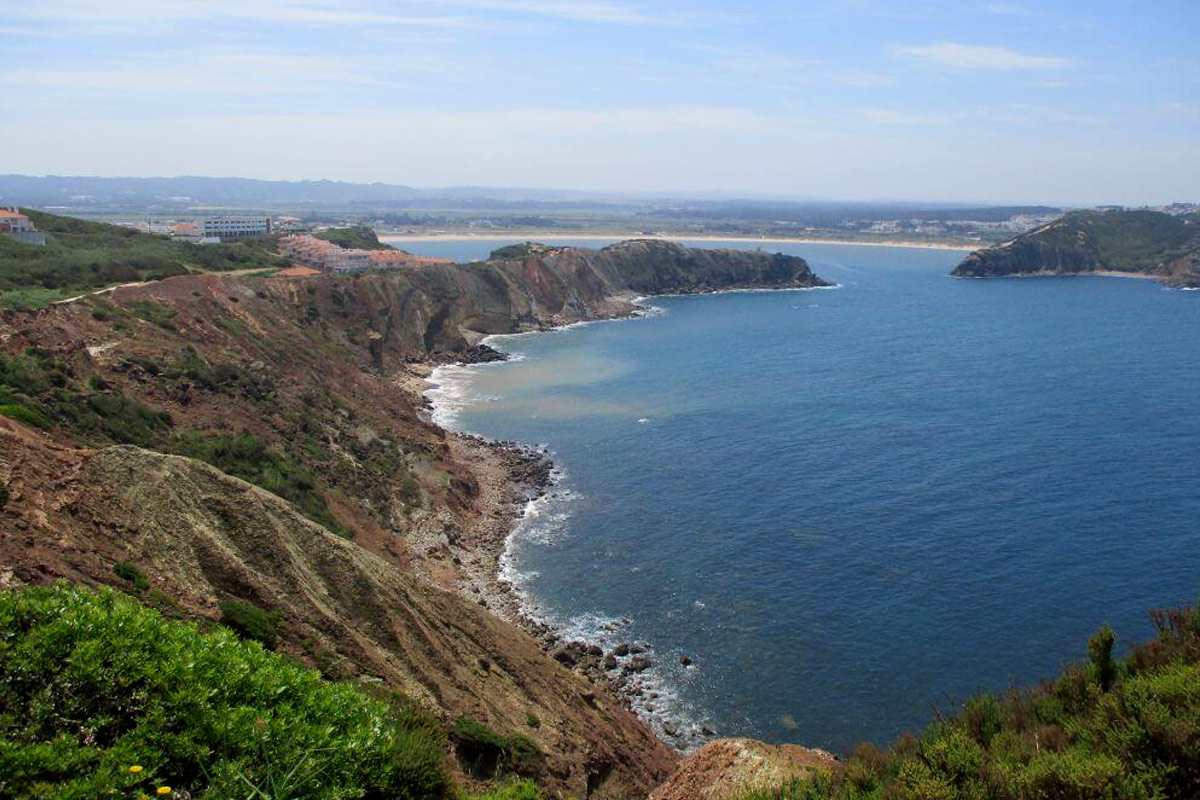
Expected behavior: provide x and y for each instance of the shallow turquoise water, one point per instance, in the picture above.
(852, 507)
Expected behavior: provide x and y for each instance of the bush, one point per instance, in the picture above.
(1107, 729)
(251, 622)
(247, 457)
(128, 572)
(21, 413)
(486, 753)
(92, 684)
(41, 390)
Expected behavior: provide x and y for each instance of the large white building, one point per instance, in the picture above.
(225, 228)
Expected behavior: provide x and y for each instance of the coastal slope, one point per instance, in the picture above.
(264, 440)
(1138, 243)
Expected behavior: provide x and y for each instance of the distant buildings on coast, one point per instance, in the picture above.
(212, 230)
(16, 225)
(309, 251)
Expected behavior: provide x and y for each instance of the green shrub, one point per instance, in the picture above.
(514, 790)
(1100, 649)
(41, 390)
(484, 752)
(22, 413)
(159, 314)
(247, 457)
(128, 572)
(251, 622)
(91, 684)
(1107, 729)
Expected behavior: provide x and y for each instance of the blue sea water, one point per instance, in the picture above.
(854, 507)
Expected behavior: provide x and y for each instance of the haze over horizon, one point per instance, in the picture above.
(939, 101)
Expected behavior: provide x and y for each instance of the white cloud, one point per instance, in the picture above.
(965, 56)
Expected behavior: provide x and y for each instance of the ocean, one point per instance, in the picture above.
(851, 508)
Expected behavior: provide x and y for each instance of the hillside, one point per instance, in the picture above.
(327, 498)
(1082, 242)
(1109, 727)
(355, 238)
(80, 255)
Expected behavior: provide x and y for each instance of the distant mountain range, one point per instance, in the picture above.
(164, 195)
(1166, 246)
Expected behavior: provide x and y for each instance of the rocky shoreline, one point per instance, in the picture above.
(511, 476)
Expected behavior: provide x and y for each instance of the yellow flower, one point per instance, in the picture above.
(135, 769)
(164, 790)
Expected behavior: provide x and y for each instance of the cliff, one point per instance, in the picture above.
(327, 496)
(1134, 242)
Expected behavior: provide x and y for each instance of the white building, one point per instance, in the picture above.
(225, 228)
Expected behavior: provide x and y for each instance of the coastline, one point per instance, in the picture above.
(516, 484)
(388, 237)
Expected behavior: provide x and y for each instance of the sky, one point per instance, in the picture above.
(1060, 102)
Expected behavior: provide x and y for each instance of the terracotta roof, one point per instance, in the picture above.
(297, 272)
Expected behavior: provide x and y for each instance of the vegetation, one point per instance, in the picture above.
(487, 753)
(100, 697)
(81, 255)
(355, 238)
(251, 622)
(1126, 240)
(42, 391)
(1125, 729)
(128, 572)
(247, 457)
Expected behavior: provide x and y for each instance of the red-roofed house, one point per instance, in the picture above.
(18, 226)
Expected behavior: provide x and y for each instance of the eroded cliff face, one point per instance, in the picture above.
(1135, 242)
(202, 536)
(444, 309)
(322, 376)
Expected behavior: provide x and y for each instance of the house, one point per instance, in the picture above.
(187, 232)
(17, 226)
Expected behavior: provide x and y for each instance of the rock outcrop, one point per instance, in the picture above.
(726, 769)
(1087, 242)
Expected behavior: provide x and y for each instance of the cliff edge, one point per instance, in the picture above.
(1148, 243)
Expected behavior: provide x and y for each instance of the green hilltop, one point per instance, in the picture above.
(1138, 241)
(80, 255)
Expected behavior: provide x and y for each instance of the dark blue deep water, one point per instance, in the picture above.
(854, 507)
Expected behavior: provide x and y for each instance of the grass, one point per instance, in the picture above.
(80, 255)
(30, 298)
(43, 391)
(1108, 728)
(247, 457)
(355, 238)
(93, 685)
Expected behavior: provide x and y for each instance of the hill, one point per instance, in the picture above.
(1087, 242)
(81, 255)
(261, 440)
(355, 238)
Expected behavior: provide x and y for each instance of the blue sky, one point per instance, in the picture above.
(1060, 102)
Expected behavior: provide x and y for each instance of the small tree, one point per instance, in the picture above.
(1100, 649)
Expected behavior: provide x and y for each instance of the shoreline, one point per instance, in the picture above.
(388, 237)
(516, 482)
